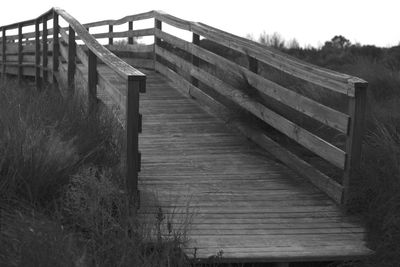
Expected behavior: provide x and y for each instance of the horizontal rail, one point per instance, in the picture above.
(329, 79)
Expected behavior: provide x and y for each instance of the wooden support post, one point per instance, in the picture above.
(132, 138)
(157, 41)
(357, 105)
(195, 60)
(37, 55)
(4, 39)
(45, 51)
(130, 28)
(20, 53)
(71, 59)
(92, 83)
(253, 64)
(56, 45)
(110, 30)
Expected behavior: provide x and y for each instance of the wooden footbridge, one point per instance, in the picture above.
(268, 168)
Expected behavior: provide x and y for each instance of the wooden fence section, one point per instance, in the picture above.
(186, 64)
(51, 55)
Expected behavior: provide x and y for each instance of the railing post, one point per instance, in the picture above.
(133, 125)
(253, 64)
(110, 30)
(4, 39)
(92, 83)
(71, 59)
(20, 53)
(56, 45)
(357, 105)
(38, 80)
(44, 50)
(157, 41)
(195, 60)
(130, 28)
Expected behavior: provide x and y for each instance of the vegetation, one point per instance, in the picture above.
(61, 196)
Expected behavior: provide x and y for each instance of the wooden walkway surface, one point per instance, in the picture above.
(242, 202)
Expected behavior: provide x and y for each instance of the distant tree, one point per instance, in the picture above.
(275, 40)
(338, 42)
(293, 44)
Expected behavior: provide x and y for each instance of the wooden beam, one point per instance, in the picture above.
(130, 28)
(357, 105)
(44, 50)
(157, 41)
(71, 60)
(56, 45)
(92, 82)
(195, 60)
(38, 80)
(4, 42)
(110, 30)
(132, 137)
(20, 53)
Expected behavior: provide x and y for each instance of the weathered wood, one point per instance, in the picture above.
(20, 56)
(92, 82)
(44, 51)
(110, 30)
(71, 60)
(309, 107)
(133, 125)
(101, 52)
(136, 17)
(3, 48)
(329, 79)
(312, 142)
(37, 55)
(195, 60)
(129, 34)
(56, 45)
(354, 138)
(130, 28)
(136, 48)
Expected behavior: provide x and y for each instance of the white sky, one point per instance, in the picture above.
(309, 21)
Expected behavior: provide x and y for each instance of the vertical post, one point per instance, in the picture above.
(4, 38)
(20, 53)
(157, 41)
(195, 60)
(37, 55)
(45, 49)
(92, 82)
(132, 138)
(56, 45)
(357, 105)
(253, 64)
(71, 59)
(110, 30)
(130, 28)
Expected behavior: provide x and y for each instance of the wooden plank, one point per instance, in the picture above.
(44, 50)
(101, 52)
(317, 75)
(92, 82)
(312, 142)
(20, 53)
(131, 34)
(354, 139)
(71, 61)
(134, 48)
(38, 81)
(56, 45)
(307, 106)
(130, 28)
(195, 60)
(110, 30)
(136, 17)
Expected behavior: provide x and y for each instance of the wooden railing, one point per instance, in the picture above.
(26, 57)
(187, 64)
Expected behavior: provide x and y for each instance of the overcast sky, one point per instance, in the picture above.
(311, 22)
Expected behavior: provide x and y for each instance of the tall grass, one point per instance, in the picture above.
(62, 200)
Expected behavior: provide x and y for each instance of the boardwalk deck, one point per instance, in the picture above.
(241, 200)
